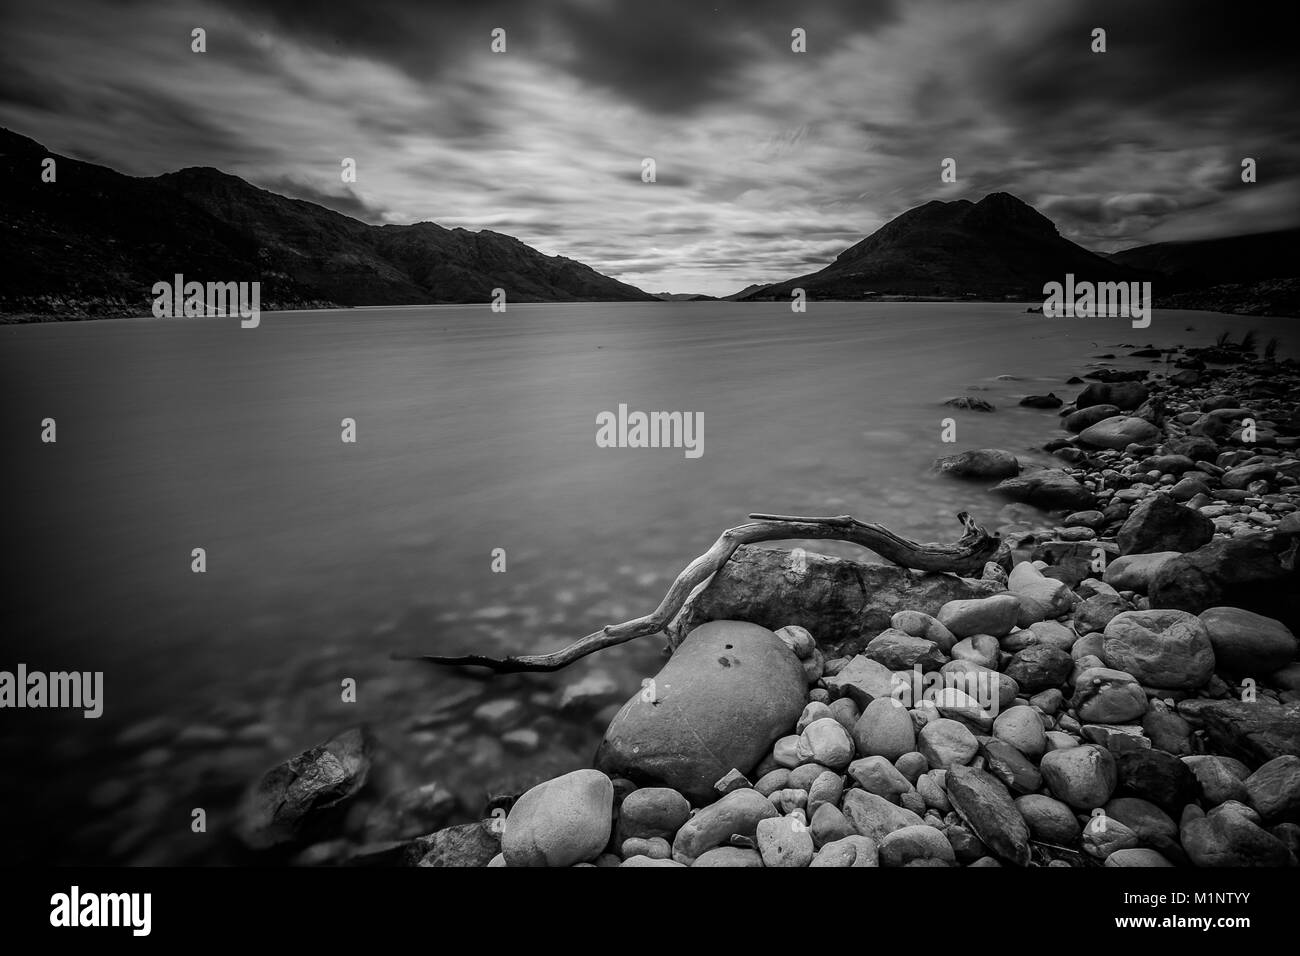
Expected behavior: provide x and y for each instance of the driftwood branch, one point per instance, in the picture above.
(967, 556)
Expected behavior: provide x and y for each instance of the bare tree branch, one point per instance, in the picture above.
(967, 556)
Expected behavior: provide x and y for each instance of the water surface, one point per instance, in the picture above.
(476, 431)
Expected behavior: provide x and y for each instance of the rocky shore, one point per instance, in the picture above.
(1120, 687)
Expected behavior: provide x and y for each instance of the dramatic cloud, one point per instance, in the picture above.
(768, 162)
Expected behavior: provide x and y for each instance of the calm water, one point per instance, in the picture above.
(476, 431)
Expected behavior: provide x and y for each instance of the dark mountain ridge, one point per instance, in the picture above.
(1196, 263)
(95, 241)
(999, 247)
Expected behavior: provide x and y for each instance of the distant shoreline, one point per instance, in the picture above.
(92, 314)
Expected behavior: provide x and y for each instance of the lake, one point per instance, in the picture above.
(475, 431)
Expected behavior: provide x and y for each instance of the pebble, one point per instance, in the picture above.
(946, 743)
(784, 841)
(826, 742)
(884, 729)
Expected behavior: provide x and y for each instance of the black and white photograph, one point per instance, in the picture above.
(690, 433)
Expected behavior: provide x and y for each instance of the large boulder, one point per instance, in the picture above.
(1120, 432)
(1247, 643)
(1160, 524)
(300, 798)
(560, 822)
(726, 695)
(1168, 649)
(843, 603)
(1049, 489)
(987, 463)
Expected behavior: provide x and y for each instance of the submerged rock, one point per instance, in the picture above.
(1049, 488)
(299, 797)
(470, 844)
(987, 463)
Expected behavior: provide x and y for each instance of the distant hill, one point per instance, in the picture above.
(1198, 263)
(95, 241)
(737, 296)
(1257, 274)
(995, 248)
(685, 297)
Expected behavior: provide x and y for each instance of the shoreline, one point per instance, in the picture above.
(1122, 665)
(1210, 305)
(375, 814)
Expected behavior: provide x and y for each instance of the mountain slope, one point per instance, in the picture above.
(96, 240)
(999, 246)
(1257, 274)
(1204, 262)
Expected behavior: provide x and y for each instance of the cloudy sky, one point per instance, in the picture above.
(769, 162)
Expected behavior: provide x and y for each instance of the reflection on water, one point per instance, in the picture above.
(476, 431)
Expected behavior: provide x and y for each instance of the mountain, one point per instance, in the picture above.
(737, 296)
(1198, 263)
(1256, 274)
(997, 247)
(95, 241)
